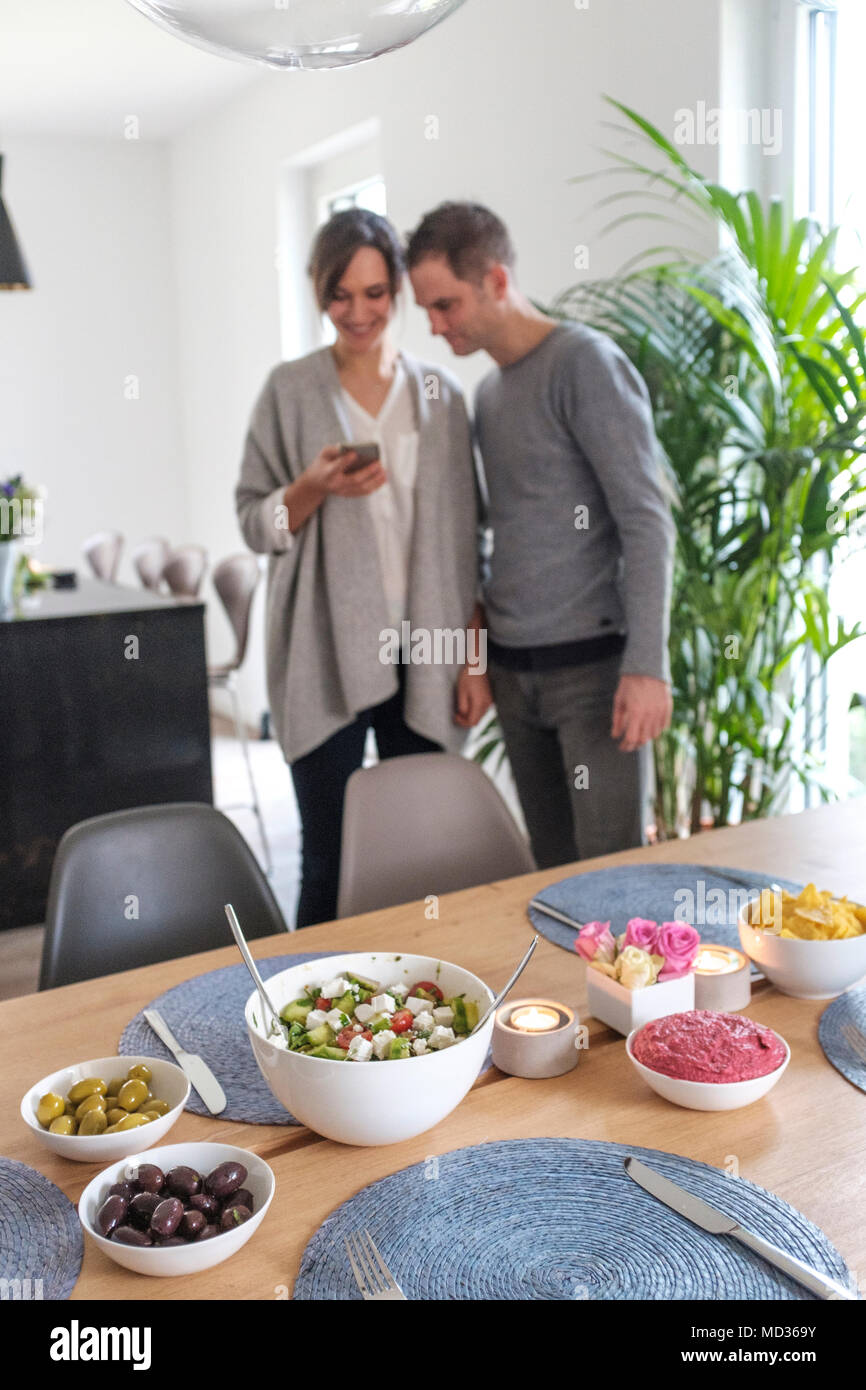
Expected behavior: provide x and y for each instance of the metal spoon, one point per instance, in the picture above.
(511, 983)
(244, 949)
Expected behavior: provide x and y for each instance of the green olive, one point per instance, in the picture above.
(70, 1108)
(128, 1122)
(94, 1122)
(155, 1107)
(140, 1073)
(115, 1114)
(110, 1100)
(62, 1124)
(131, 1094)
(115, 1084)
(90, 1086)
(49, 1107)
(94, 1102)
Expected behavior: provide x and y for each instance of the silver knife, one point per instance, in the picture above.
(719, 1224)
(198, 1071)
(554, 913)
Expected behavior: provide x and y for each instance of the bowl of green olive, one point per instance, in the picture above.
(107, 1108)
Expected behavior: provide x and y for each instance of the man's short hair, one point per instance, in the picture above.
(470, 237)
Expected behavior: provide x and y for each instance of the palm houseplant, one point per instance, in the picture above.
(755, 362)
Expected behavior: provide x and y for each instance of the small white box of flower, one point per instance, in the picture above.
(645, 973)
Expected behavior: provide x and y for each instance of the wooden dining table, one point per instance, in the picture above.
(804, 1141)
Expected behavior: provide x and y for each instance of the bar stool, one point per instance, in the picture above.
(103, 552)
(149, 560)
(185, 569)
(235, 580)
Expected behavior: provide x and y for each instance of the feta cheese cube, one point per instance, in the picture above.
(315, 1017)
(382, 1041)
(441, 1037)
(399, 990)
(335, 988)
(417, 1005)
(364, 1012)
(424, 1022)
(444, 1014)
(336, 1019)
(383, 1004)
(360, 1049)
(419, 1047)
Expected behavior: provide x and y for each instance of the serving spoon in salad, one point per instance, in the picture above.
(508, 988)
(244, 949)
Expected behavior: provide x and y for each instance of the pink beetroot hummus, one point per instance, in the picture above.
(705, 1046)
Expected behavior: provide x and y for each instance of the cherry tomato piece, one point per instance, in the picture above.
(430, 988)
(345, 1036)
(323, 1003)
(402, 1020)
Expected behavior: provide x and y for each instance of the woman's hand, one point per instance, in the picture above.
(472, 697)
(327, 474)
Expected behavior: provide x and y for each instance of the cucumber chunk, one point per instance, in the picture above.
(333, 1054)
(296, 1012)
(322, 1036)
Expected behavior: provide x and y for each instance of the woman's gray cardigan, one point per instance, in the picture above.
(326, 609)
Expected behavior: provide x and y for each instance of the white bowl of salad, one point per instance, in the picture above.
(342, 1017)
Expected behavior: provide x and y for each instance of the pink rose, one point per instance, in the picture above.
(643, 933)
(679, 944)
(595, 942)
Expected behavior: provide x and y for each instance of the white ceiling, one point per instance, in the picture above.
(80, 67)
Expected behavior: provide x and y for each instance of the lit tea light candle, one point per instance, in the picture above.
(722, 978)
(535, 1038)
(535, 1018)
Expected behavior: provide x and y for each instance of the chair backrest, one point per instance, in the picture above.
(103, 551)
(235, 580)
(146, 885)
(149, 559)
(184, 570)
(427, 823)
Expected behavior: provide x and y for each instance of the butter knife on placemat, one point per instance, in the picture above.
(198, 1071)
(718, 1223)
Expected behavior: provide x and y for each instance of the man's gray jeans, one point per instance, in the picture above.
(580, 795)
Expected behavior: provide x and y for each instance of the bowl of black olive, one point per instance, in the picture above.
(177, 1209)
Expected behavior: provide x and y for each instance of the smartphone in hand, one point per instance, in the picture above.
(367, 454)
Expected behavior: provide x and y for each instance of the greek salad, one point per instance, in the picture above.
(352, 1019)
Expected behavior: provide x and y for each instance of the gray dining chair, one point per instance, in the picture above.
(184, 570)
(150, 884)
(149, 560)
(427, 823)
(235, 580)
(103, 554)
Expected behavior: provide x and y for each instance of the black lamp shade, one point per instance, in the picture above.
(13, 271)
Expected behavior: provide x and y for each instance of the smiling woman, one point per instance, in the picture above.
(356, 546)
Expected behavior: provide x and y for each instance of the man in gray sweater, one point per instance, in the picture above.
(577, 591)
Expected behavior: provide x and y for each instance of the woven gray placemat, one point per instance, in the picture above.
(842, 1035)
(41, 1242)
(560, 1219)
(706, 896)
(206, 1014)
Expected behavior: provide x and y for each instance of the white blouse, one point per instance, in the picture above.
(392, 506)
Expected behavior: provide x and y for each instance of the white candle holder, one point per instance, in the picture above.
(535, 1054)
(624, 1009)
(723, 978)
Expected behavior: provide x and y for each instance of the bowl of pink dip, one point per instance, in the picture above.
(706, 1060)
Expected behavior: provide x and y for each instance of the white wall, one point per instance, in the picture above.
(516, 89)
(92, 217)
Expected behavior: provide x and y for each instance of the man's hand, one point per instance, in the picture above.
(642, 708)
(472, 697)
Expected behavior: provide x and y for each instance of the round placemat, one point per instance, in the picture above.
(706, 896)
(842, 1034)
(206, 1015)
(560, 1219)
(41, 1243)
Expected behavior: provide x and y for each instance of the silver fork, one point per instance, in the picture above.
(855, 1040)
(372, 1275)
